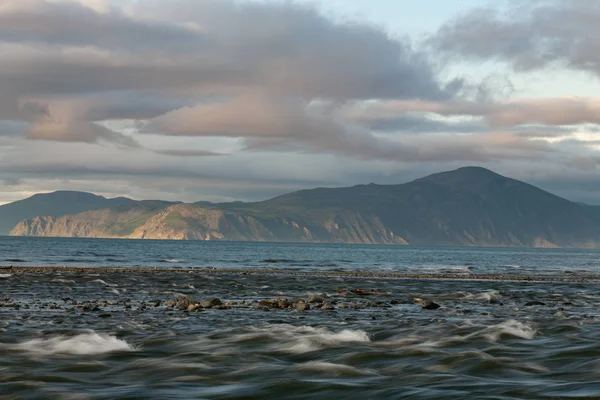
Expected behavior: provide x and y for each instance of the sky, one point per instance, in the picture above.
(225, 100)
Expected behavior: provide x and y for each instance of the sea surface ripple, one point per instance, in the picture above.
(89, 334)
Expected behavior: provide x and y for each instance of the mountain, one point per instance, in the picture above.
(54, 204)
(469, 206)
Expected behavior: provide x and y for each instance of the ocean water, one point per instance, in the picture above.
(205, 254)
(109, 333)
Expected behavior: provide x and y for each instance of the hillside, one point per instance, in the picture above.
(469, 206)
(54, 204)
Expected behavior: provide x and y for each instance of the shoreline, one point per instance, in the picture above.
(566, 278)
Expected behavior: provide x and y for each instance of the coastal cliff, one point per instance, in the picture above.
(466, 207)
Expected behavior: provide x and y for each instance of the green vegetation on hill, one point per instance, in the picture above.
(468, 206)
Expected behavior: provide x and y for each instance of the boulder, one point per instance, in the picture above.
(270, 303)
(210, 302)
(315, 298)
(302, 305)
(534, 303)
(181, 303)
(427, 304)
(282, 302)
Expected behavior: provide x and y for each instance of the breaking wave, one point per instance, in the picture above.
(83, 344)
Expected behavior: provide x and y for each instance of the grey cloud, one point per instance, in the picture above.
(186, 153)
(273, 123)
(531, 35)
(418, 124)
(74, 24)
(280, 46)
(159, 56)
(76, 131)
(516, 112)
(11, 182)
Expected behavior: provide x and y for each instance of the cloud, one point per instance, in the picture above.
(288, 124)
(245, 96)
(186, 153)
(529, 35)
(515, 112)
(94, 61)
(63, 122)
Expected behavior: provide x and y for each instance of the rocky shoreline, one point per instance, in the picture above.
(566, 277)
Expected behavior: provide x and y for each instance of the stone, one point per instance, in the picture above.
(327, 306)
(181, 303)
(534, 303)
(211, 302)
(427, 304)
(271, 303)
(192, 307)
(282, 302)
(315, 298)
(302, 306)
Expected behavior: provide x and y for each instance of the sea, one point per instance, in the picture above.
(133, 319)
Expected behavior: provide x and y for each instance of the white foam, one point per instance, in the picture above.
(513, 266)
(5, 276)
(510, 328)
(303, 339)
(104, 283)
(492, 295)
(82, 344)
(60, 280)
(173, 261)
(334, 369)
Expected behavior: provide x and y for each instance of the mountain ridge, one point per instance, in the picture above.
(469, 206)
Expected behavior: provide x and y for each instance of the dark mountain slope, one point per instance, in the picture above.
(468, 206)
(54, 204)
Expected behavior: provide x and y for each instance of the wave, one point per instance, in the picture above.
(102, 282)
(15, 260)
(5, 276)
(334, 369)
(61, 280)
(510, 328)
(90, 343)
(171, 261)
(304, 339)
(489, 296)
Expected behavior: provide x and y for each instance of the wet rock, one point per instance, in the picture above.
(282, 302)
(270, 303)
(343, 305)
(315, 298)
(192, 307)
(210, 302)
(327, 306)
(302, 306)
(534, 303)
(181, 303)
(427, 304)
